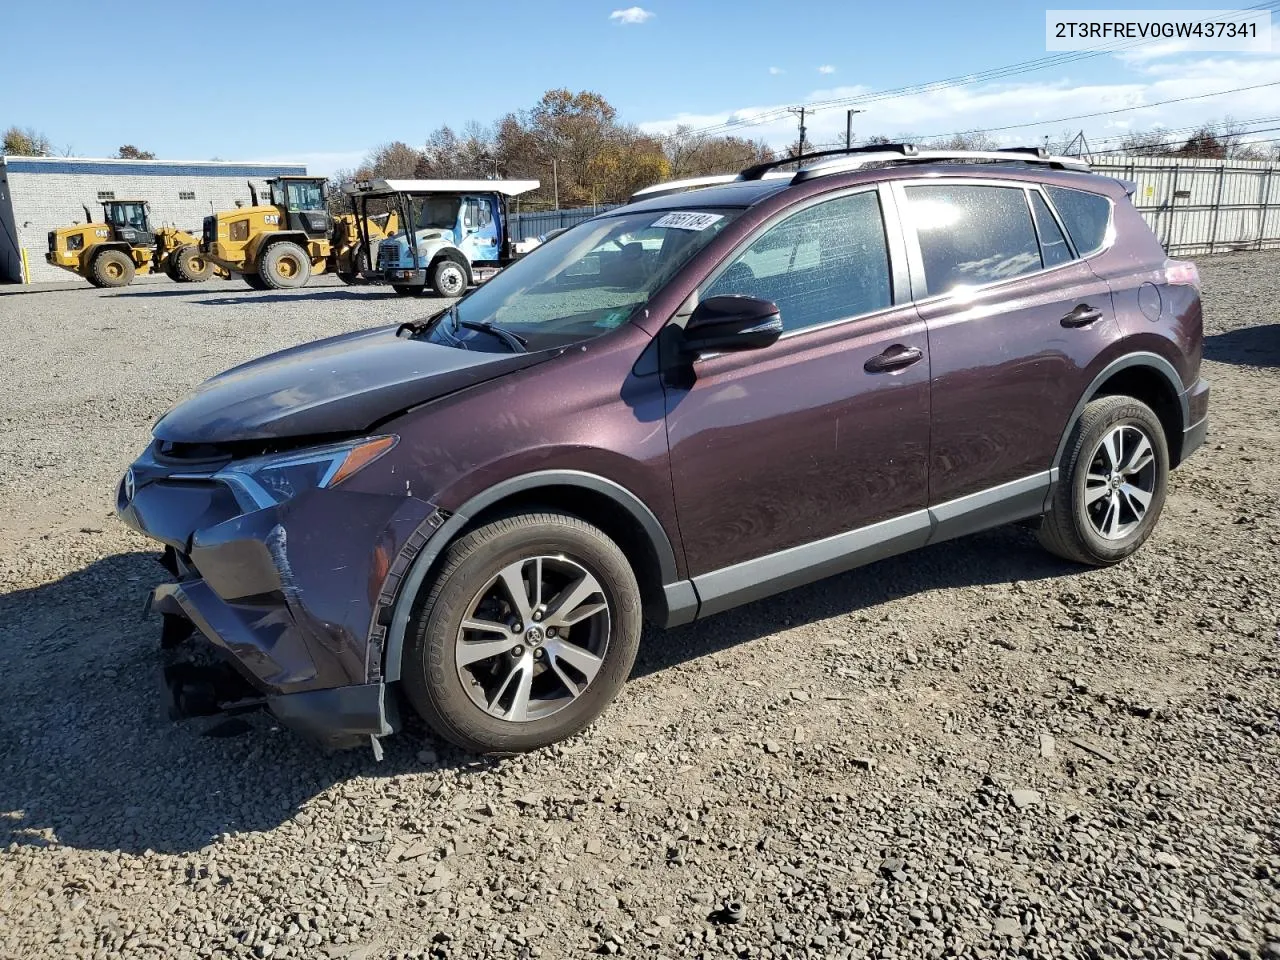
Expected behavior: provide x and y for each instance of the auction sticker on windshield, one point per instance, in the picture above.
(688, 221)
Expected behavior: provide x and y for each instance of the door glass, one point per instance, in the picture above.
(971, 235)
(1086, 215)
(825, 263)
(1053, 245)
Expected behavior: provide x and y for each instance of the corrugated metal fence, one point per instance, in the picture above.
(1203, 206)
(540, 222)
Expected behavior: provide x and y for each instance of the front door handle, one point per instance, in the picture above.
(1081, 316)
(895, 358)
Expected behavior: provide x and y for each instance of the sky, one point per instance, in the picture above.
(324, 82)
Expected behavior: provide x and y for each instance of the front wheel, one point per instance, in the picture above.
(1115, 474)
(449, 279)
(527, 635)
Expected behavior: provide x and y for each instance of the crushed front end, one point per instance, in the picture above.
(279, 571)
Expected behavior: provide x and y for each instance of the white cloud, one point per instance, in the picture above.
(631, 15)
(826, 68)
(988, 106)
(776, 71)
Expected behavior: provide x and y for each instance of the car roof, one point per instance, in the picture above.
(738, 193)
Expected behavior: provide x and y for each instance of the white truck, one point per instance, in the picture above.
(454, 232)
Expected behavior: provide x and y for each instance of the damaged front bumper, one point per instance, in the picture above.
(293, 595)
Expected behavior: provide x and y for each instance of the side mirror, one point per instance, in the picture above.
(731, 323)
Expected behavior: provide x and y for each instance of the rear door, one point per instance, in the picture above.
(1014, 319)
(826, 430)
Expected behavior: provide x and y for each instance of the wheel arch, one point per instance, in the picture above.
(617, 511)
(271, 239)
(454, 254)
(1147, 377)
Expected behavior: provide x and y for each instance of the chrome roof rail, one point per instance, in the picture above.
(845, 164)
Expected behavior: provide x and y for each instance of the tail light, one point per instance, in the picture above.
(1181, 273)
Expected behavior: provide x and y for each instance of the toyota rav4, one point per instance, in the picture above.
(723, 389)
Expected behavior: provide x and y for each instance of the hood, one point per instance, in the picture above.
(339, 385)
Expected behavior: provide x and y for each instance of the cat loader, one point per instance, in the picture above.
(112, 253)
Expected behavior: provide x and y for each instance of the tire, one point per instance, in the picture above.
(449, 278)
(111, 268)
(470, 586)
(255, 281)
(1095, 517)
(190, 266)
(361, 264)
(285, 266)
(405, 291)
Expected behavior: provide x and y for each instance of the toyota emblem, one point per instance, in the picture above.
(130, 485)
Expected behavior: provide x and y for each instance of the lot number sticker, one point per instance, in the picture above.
(688, 221)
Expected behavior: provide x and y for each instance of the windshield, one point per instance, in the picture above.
(305, 195)
(434, 212)
(590, 279)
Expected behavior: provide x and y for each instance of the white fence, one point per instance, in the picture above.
(1202, 206)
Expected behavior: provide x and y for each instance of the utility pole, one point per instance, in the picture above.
(555, 181)
(799, 111)
(848, 128)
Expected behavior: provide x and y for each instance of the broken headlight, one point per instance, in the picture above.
(276, 478)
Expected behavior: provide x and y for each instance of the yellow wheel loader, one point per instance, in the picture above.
(281, 244)
(112, 253)
(351, 260)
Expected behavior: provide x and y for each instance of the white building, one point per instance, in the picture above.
(39, 194)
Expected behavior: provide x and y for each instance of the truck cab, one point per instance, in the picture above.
(456, 231)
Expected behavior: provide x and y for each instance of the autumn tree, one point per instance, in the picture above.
(26, 142)
(130, 152)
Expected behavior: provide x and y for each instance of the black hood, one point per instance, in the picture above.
(339, 385)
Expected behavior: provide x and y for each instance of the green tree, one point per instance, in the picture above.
(26, 142)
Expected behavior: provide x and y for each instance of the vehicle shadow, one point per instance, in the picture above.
(1248, 346)
(1003, 555)
(89, 759)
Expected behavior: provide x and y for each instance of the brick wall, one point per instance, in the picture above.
(37, 196)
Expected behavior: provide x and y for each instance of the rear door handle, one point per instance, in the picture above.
(895, 358)
(1081, 316)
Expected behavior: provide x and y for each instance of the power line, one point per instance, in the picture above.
(994, 73)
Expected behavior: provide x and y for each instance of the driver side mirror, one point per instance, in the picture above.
(731, 323)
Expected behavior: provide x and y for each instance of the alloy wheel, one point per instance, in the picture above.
(1121, 482)
(452, 282)
(533, 639)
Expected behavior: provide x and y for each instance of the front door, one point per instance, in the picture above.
(826, 431)
(1014, 318)
(479, 229)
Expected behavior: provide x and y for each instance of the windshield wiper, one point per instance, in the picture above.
(415, 327)
(517, 343)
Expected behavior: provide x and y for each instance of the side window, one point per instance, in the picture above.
(825, 263)
(1087, 216)
(971, 235)
(1053, 245)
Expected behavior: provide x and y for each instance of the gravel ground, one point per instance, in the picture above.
(975, 750)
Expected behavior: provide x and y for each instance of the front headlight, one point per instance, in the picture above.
(274, 479)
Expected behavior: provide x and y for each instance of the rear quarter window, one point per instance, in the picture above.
(1087, 217)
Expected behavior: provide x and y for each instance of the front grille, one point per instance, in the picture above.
(53, 241)
(209, 232)
(388, 254)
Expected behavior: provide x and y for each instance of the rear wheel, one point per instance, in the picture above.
(529, 632)
(1114, 477)
(190, 266)
(285, 266)
(111, 268)
(449, 279)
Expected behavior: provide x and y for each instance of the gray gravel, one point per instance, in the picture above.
(972, 751)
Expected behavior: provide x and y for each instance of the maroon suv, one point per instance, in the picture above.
(701, 398)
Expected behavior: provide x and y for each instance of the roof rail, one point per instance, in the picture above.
(758, 171)
(888, 154)
(679, 186)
